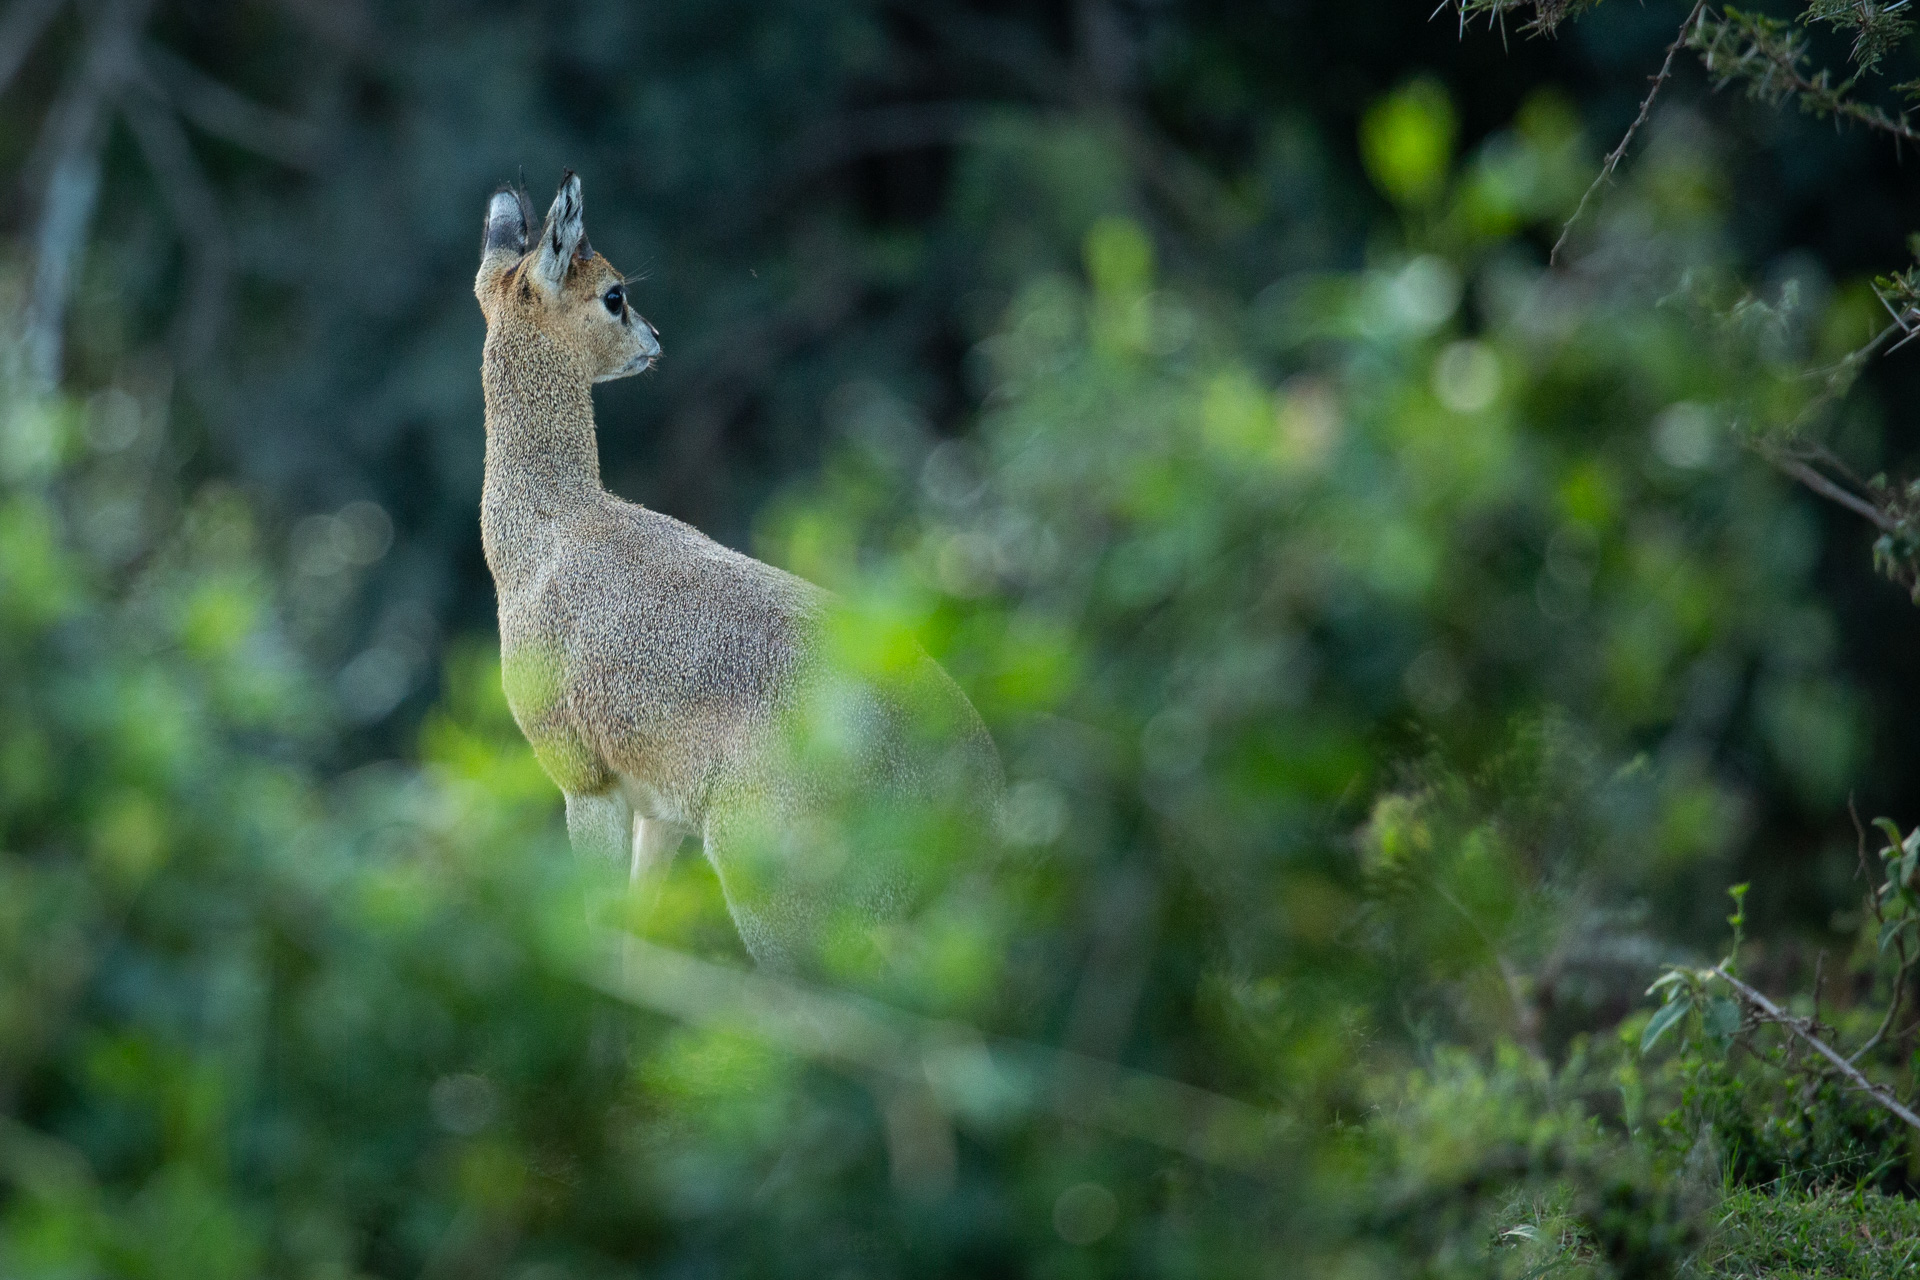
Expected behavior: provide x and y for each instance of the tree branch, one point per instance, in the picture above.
(70, 141)
(1827, 489)
(1798, 1028)
(1772, 68)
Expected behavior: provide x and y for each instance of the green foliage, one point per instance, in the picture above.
(1771, 59)
(1877, 27)
(1771, 50)
(1407, 141)
(1832, 1233)
(1798, 1128)
(1896, 552)
(1547, 14)
(1388, 664)
(1513, 1152)
(1760, 1095)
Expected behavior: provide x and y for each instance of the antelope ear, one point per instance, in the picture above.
(509, 223)
(505, 239)
(564, 237)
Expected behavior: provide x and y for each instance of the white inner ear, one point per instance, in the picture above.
(566, 225)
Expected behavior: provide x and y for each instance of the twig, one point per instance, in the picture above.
(1798, 1028)
(1619, 153)
(1827, 458)
(1893, 1007)
(1793, 462)
(1827, 489)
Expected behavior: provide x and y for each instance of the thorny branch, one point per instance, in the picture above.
(1769, 57)
(1615, 156)
(1547, 14)
(1686, 989)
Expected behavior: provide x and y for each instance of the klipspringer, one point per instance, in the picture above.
(669, 685)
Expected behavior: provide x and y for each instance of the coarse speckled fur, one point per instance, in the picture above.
(656, 672)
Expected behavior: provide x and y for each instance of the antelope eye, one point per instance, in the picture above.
(616, 300)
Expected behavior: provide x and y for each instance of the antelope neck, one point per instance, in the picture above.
(543, 464)
(541, 452)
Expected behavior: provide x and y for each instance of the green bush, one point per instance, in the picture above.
(1367, 659)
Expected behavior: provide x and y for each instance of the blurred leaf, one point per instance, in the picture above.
(1407, 142)
(1719, 1021)
(1677, 1007)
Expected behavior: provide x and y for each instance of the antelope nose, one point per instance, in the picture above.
(649, 338)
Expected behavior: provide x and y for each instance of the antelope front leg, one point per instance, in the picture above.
(654, 843)
(600, 826)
